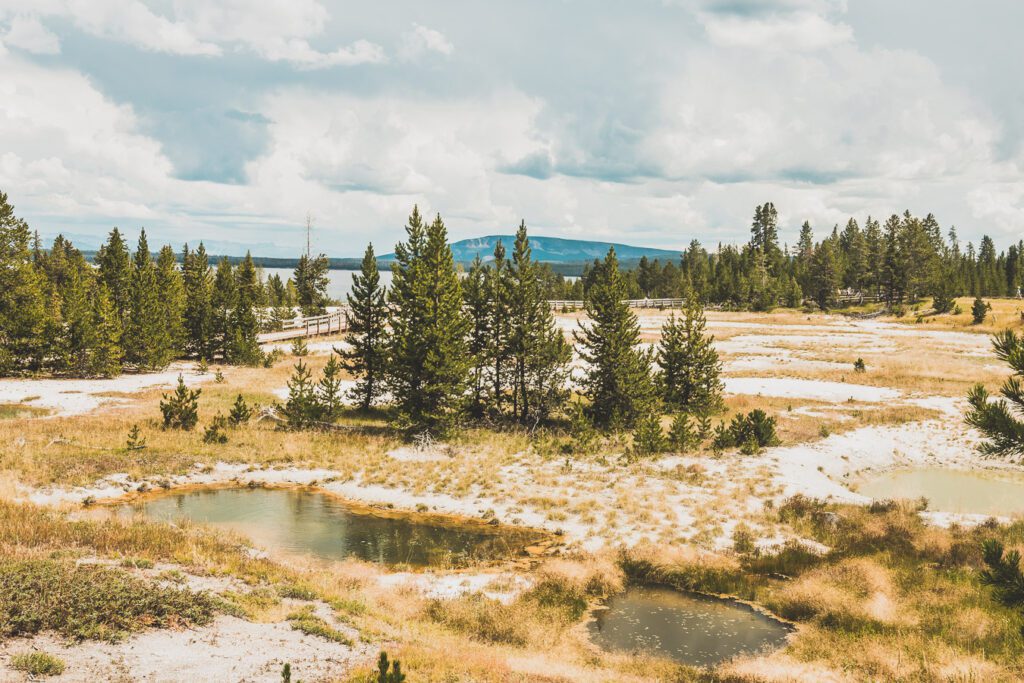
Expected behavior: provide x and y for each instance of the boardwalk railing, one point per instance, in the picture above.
(330, 323)
(569, 305)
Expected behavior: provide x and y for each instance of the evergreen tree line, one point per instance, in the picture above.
(904, 260)
(487, 346)
(61, 314)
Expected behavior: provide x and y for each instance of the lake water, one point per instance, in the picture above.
(304, 522)
(340, 281)
(986, 493)
(693, 629)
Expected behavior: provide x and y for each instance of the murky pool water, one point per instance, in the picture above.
(293, 521)
(690, 628)
(986, 493)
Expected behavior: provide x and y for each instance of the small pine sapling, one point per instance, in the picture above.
(859, 366)
(181, 409)
(681, 435)
(979, 310)
(202, 367)
(389, 672)
(301, 409)
(703, 427)
(328, 391)
(240, 413)
(299, 348)
(136, 442)
(218, 376)
(216, 431)
(647, 437)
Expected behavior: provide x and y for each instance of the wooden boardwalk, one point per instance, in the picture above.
(569, 305)
(331, 323)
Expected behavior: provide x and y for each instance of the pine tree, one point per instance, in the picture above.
(804, 256)
(429, 353)
(538, 353)
(1000, 420)
(893, 273)
(499, 291)
(106, 355)
(147, 343)
(648, 438)
(115, 266)
(979, 310)
(311, 280)
(199, 319)
(689, 364)
(478, 306)
(824, 276)
(328, 391)
(223, 300)
(240, 412)
(181, 409)
(618, 377)
(301, 410)
(682, 436)
(243, 326)
(366, 356)
(171, 287)
(874, 247)
(22, 303)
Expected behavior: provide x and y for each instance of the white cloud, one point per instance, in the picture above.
(795, 31)
(277, 30)
(421, 40)
(29, 34)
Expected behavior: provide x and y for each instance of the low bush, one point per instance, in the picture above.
(88, 601)
(37, 664)
(309, 623)
(750, 432)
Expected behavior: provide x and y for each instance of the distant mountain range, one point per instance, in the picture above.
(565, 256)
(554, 250)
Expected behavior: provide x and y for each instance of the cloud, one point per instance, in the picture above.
(796, 31)
(276, 30)
(421, 40)
(29, 34)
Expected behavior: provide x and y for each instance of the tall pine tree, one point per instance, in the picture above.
(244, 347)
(538, 351)
(367, 353)
(429, 353)
(618, 377)
(147, 343)
(198, 315)
(689, 364)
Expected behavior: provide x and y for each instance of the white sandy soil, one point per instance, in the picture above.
(67, 397)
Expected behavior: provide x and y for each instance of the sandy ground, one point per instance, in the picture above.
(229, 649)
(64, 397)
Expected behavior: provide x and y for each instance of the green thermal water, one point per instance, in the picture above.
(689, 628)
(303, 522)
(986, 493)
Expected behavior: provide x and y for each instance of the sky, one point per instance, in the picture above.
(649, 122)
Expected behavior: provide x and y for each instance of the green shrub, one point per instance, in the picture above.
(388, 672)
(37, 664)
(304, 620)
(979, 310)
(750, 432)
(859, 366)
(216, 431)
(240, 413)
(88, 601)
(181, 409)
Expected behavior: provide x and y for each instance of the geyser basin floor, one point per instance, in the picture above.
(303, 522)
(689, 628)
